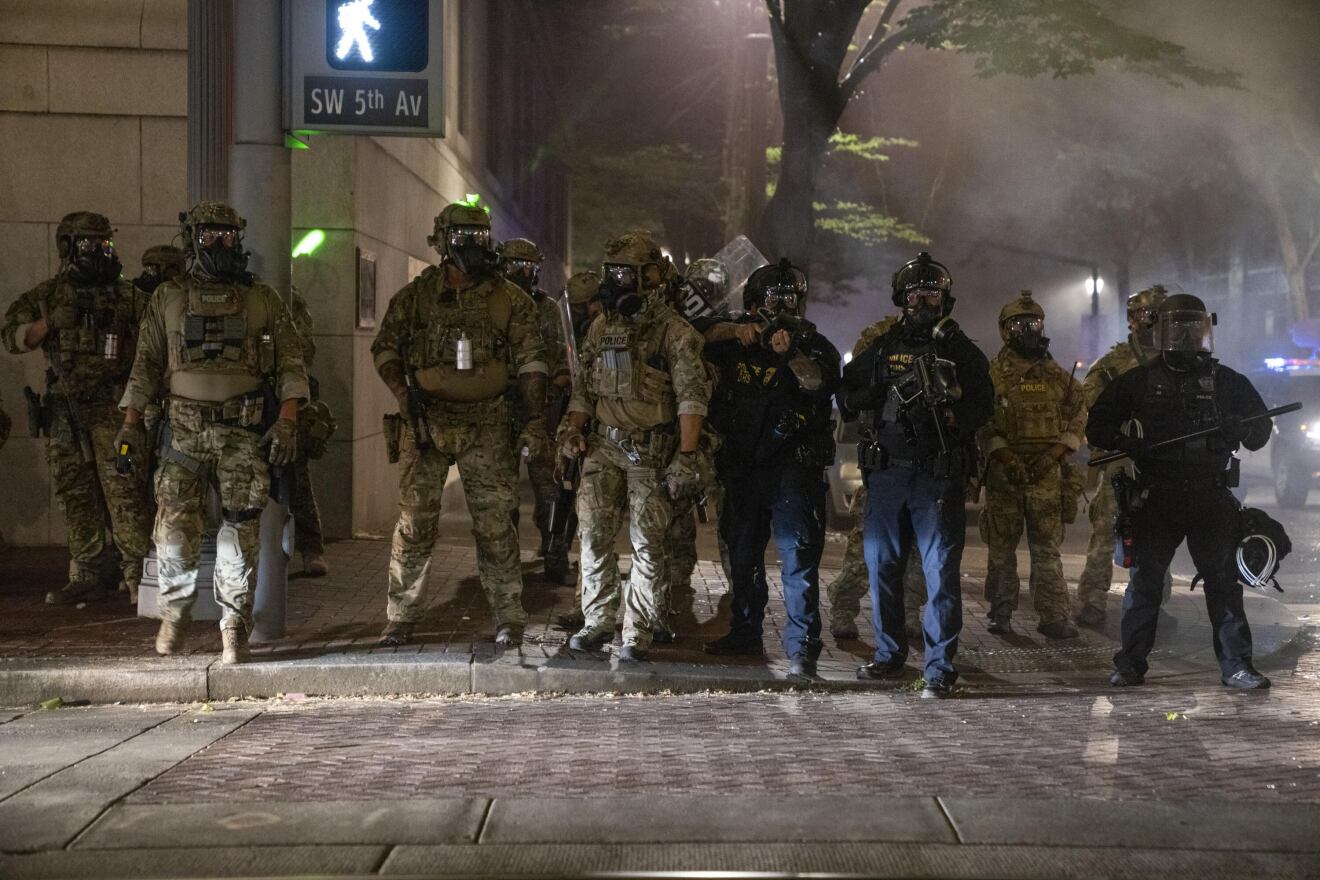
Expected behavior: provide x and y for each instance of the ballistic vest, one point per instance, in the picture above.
(1029, 398)
(480, 315)
(1180, 403)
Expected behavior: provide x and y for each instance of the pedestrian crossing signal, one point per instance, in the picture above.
(384, 35)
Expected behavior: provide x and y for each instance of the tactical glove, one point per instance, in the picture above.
(62, 317)
(535, 438)
(1012, 466)
(683, 477)
(130, 448)
(1233, 430)
(570, 441)
(283, 440)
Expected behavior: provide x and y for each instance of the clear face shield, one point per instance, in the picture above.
(1188, 332)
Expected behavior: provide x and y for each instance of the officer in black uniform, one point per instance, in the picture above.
(772, 406)
(1185, 488)
(922, 390)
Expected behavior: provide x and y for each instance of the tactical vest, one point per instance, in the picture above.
(96, 355)
(1028, 402)
(893, 370)
(220, 341)
(1174, 404)
(481, 316)
(631, 367)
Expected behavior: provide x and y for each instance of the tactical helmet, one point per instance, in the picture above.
(923, 273)
(220, 260)
(1024, 305)
(639, 251)
(1143, 314)
(1185, 326)
(783, 283)
(520, 249)
(166, 256)
(583, 288)
(80, 223)
(462, 236)
(1147, 298)
(457, 214)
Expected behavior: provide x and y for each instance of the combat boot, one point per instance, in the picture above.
(1058, 629)
(555, 570)
(573, 620)
(509, 635)
(937, 688)
(661, 634)
(1000, 626)
(875, 671)
(315, 566)
(234, 642)
(73, 592)
(169, 638)
(1126, 678)
(736, 643)
(1246, 680)
(801, 667)
(844, 631)
(590, 638)
(396, 633)
(632, 653)
(1091, 617)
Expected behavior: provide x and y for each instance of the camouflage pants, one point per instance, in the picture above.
(845, 592)
(680, 552)
(306, 515)
(1008, 508)
(92, 493)
(1098, 574)
(229, 457)
(611, 487)
(489, 472)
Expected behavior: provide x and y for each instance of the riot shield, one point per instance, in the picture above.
(571, 341)
(740, 258)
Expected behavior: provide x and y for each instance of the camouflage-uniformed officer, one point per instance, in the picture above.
(160, 263)
(446, 349)
(85, 320)
(1039, 418)
(316, 425)
(1139, 348)
(845, 592)
(520, 262)
(645, 386)
(221, 350)
(583, 294)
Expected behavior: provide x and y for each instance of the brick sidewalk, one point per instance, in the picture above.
(343, 614)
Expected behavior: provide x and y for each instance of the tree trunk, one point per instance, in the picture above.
(789, 225)
(1293, 266)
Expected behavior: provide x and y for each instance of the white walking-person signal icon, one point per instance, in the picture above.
(354, 19)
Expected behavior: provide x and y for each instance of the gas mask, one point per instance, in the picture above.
(782, 299)
(1142, 324)
(92, 260)
(620, 290)
(149, 280)
(218, 254)
(1026, 337)
(524, 273)
(924, 306)
(470, 250)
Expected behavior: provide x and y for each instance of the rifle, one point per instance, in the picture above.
(1107, 457)
(38, 412)
(563, 518)
(418, 421)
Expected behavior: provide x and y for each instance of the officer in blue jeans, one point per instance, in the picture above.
(921, 389)
(776, 378)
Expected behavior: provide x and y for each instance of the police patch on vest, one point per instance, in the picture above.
(615, 339)
(1033, 387)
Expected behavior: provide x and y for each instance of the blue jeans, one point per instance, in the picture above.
(903, 504)
(791, 502)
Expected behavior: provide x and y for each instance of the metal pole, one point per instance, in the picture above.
(259, 189)
(1095, 292)
(210, 98)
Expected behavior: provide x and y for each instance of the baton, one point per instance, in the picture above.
(1107, 457)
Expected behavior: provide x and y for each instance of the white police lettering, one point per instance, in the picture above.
(354, 18)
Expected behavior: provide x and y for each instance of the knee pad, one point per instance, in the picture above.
(227, 548)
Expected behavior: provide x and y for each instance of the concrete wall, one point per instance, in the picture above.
(93, 95)
(92, 116)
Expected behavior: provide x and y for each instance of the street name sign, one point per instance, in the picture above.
(364, 67)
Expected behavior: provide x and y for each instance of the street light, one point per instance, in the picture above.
(1095, 285)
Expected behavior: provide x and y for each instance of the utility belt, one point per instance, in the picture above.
(873, 455)
(654, 444)
(244, 411)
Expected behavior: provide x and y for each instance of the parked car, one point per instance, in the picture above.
(1294, 450)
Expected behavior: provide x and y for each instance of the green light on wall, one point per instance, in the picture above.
(308, 244)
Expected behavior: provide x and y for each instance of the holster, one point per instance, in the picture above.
(38, 412)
